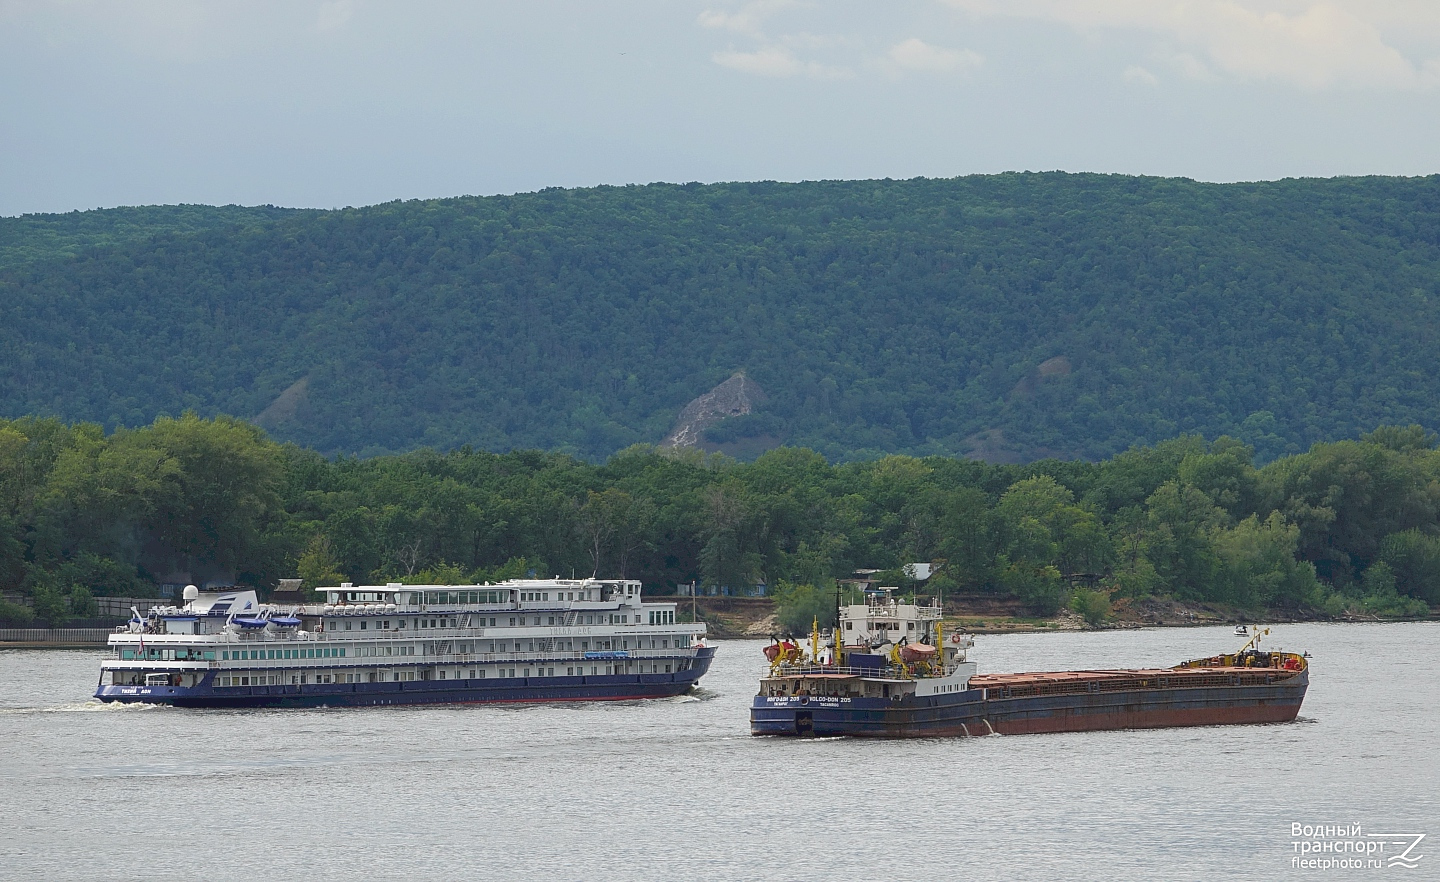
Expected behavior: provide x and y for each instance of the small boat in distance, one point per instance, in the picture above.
(1241, 631)
(889, 671)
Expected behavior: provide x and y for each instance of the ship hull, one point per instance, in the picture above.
(419, 692)
(988, 711)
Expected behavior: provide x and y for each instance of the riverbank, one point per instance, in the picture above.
(732, 617)
(738, 617)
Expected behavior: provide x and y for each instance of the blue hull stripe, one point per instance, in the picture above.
(407, 692)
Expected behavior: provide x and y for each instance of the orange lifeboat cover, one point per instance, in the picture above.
(914, 652)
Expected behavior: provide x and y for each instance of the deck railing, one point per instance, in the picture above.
(890, 671)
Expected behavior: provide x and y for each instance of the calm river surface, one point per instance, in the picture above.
(678, 790)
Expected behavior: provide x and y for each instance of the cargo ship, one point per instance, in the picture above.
(521, 640)
(888, 671)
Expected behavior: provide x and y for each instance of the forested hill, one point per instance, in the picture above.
(1010, 316)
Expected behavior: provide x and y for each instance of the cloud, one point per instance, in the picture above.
(333, 16)
(1312, 44)
(747, 19)
(823, 55)
(777, 61)
(1137, 74)
(774, 57)
(916, 54)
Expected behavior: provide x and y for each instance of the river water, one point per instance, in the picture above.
(678, 790)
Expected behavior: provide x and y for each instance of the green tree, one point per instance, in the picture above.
(1382, 599)
(725, 561)
(1258, 566)
(1346, 497)
(1181, 521)
(1414, 560)
(966, 541)
(440, 574)
(798, 607)
(1224, 473)
(14, 615)
(1093, 606)
(1039, 587)
(52, 606)
(318, 567)
(225, 493)
(1040, 523)
(614, 525)
(81, 601)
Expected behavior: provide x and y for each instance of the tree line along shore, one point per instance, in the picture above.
(1347, 528)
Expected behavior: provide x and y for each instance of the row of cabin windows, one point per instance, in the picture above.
(430, 649)
(285, 678)
(257, 654)
(384, 624)
(196, 654)
(662, 616)
(541, 596)
(370, 651)
(436, 598)
(883, 626)
(305, 678)
(439, 597)
(493, 621)
(183, 653)
(681, 642)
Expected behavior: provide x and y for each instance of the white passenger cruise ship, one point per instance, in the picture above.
(521, 640)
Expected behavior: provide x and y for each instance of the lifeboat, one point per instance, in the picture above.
(779, 650)
(251, 623)
(916, 652)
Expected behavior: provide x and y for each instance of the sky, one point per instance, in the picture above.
(326, 103)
